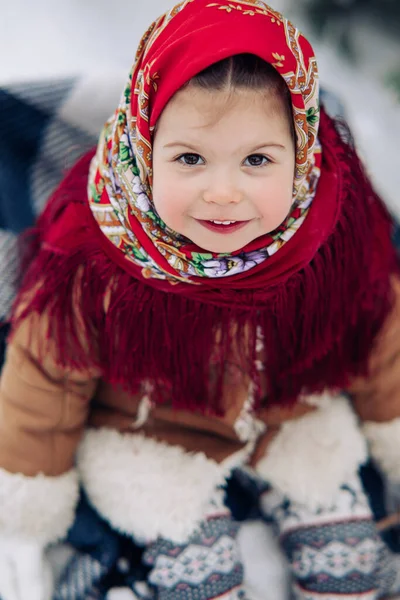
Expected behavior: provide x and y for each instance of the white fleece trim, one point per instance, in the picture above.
(384, 440)
(147, 488)
(41, 507)
(311, 457)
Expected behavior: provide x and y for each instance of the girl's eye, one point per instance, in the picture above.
(256, 160)
(190, 159)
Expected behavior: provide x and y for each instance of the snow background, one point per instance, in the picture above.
(50, 38)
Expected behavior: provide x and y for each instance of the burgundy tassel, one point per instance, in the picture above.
(318, 327)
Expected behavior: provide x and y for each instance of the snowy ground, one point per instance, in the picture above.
(49, 38)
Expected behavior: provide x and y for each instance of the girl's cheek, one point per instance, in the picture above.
(171, 207)
(276, 203)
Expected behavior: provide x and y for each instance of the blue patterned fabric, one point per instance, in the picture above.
(81, 579)
(37, 146)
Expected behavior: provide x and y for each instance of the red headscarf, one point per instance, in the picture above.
(120, 186)
(318, 302)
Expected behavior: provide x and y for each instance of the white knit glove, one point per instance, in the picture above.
(25, 573)
(34, 513)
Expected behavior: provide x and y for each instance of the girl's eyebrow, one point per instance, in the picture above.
(258, 147)
(268, 145)
(185, 144)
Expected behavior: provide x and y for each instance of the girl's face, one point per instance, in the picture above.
(225, 158)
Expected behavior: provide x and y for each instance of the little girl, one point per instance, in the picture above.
(199, 290)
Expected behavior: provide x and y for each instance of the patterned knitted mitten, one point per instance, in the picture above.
(208, 566)
(334, 552)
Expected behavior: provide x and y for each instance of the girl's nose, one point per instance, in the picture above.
(222, 197)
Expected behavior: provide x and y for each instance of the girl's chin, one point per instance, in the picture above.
(220, 248)
(228, 244)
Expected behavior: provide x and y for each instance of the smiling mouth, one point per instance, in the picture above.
(223, 226)
(225, 222)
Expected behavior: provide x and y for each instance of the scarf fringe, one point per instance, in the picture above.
(318, 327)
(342, 298)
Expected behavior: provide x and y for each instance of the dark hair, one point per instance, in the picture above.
(245, 71)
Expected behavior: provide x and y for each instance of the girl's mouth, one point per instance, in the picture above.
(223, 226)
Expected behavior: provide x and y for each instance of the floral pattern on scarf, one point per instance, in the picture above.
(120, 182)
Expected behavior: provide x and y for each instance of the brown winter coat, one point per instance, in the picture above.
(44, 409)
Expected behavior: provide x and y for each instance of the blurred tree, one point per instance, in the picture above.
(385, 13)
(340, 18)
